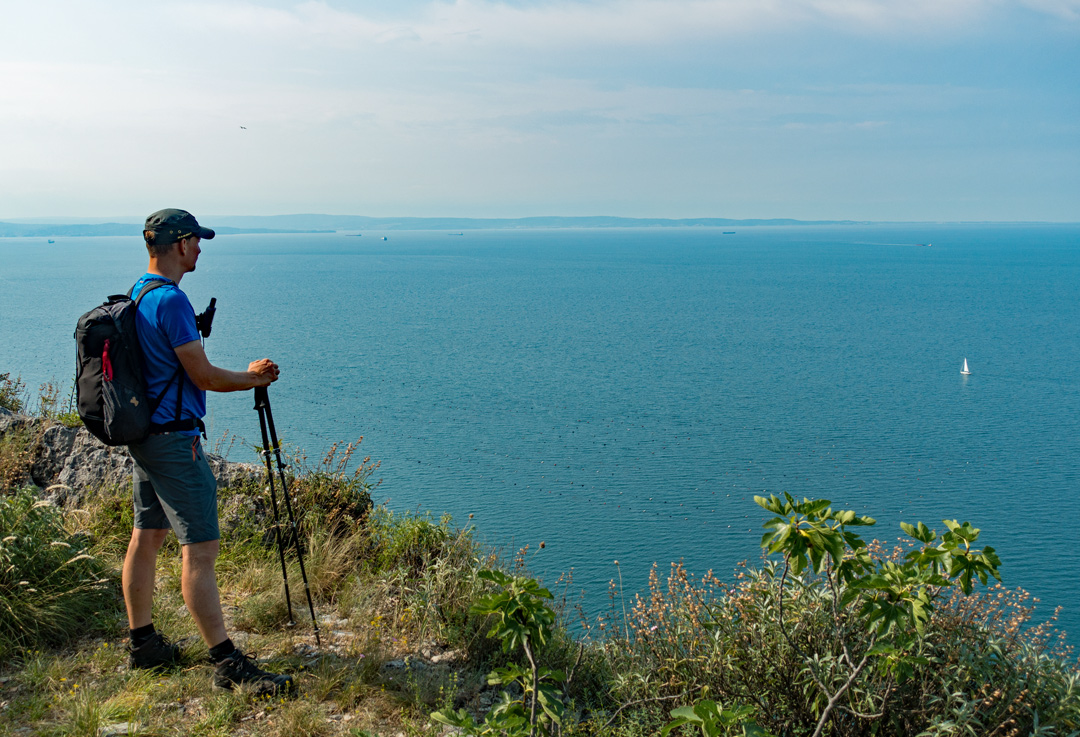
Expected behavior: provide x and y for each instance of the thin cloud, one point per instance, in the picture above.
(421, 105)
(1064, 9)
(610, 22)
(309, 20)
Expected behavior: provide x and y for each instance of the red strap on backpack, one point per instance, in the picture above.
(106, 363)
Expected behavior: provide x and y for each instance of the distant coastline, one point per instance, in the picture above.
(57, 230)
(256, 224)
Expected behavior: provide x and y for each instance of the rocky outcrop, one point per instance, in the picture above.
(70, 462)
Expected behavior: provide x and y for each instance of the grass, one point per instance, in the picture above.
(17, 456)
(393, 593)
(384, 586)
(51, 584)
(15, 398)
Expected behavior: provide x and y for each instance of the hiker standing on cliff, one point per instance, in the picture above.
(174, 487)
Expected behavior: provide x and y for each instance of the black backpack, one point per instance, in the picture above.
(112, 398)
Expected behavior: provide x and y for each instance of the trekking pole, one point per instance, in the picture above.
(266, 420)
(273, 498)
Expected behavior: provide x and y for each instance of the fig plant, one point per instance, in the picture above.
(878, 607)
(520, 620)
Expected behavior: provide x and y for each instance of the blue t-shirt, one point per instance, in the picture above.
(167, 320)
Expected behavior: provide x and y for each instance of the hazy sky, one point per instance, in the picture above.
(861, 109)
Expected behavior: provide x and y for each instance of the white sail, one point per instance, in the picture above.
(965, 371)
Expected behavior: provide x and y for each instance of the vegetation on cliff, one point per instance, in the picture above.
(423, 628)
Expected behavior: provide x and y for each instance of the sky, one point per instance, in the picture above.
(898, 110)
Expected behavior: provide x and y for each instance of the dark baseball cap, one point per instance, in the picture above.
(171, 225)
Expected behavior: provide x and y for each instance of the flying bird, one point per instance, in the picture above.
(243, 127)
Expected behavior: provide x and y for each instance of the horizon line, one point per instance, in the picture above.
(138, 220)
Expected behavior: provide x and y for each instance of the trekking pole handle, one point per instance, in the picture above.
(262, 397)
(204, 322)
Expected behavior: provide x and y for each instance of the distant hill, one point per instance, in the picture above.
(236, 224)
(360, 222)
(64, 230)
(30, 230)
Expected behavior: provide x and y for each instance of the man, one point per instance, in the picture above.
(174, 487)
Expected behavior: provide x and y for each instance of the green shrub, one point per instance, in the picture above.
(12, 392)
(431, 568)
(328, 495)
(408, 541)
(329, 501)
(886, 646)
(520, 619)
(51, 588)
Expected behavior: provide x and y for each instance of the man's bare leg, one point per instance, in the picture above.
(137, 579)
(199, 586)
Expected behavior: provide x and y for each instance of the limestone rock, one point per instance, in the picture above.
(72, 462)
(11, 421)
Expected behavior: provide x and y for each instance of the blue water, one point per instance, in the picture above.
(623, 394)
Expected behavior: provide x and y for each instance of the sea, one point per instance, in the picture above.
(613, 399)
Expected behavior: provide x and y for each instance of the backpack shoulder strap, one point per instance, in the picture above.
(147, 288)
(178, 378)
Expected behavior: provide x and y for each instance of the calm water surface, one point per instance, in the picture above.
(623, 394)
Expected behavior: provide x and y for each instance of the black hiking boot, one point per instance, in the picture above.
(240, 670)
(157, 653)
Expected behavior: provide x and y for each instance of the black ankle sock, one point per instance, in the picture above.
(140, 635)
(222, 650)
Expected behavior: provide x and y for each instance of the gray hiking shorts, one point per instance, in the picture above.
(175, 488)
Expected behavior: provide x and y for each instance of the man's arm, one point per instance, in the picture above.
(210, 378)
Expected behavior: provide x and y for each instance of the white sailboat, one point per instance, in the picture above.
(965, 370)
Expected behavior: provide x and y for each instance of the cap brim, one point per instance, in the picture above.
(205, 233)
